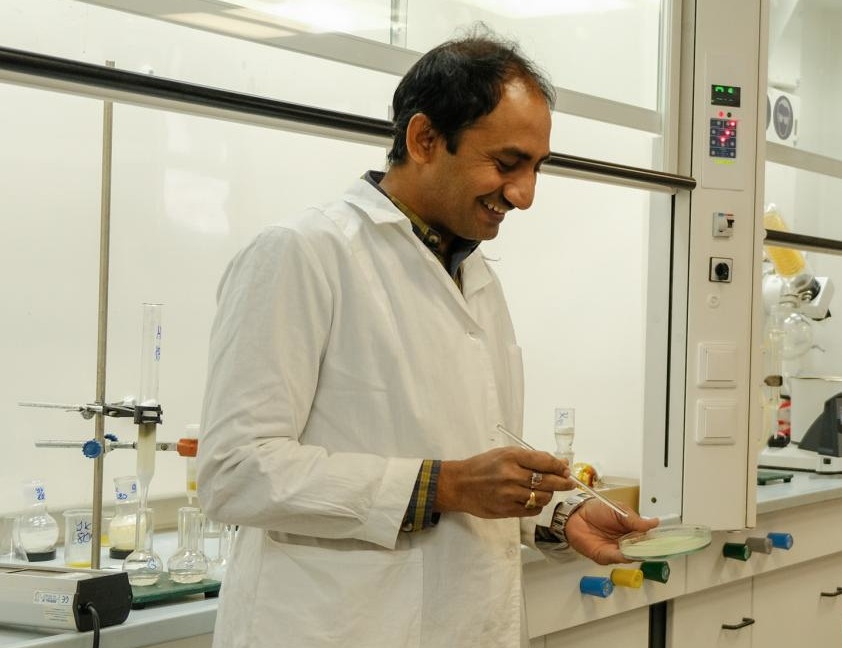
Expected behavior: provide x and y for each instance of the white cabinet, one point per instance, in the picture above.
(784, 607)
(629, 630)
(798, 602)
(696, 621)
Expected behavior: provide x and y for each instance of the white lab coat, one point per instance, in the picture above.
(343, 354)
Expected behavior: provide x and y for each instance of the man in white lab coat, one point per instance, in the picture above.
(361, 361)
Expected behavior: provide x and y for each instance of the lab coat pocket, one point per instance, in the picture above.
(318, 597)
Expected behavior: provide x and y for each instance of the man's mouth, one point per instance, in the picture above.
(495, 208)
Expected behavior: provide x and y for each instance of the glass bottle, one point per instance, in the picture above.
(121, 532)
(189, 563)
(143, 565)
(564, 432)
(789, 328)
(37, 529)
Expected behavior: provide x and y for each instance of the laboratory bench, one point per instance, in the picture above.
(706, 590)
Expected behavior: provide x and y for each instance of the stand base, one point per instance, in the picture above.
(167, 590)
(119, 554)
(40, 556)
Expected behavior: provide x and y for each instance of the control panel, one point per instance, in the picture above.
(723, 230)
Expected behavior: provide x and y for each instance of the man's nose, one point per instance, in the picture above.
(520, 191)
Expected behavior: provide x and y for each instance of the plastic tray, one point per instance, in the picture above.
(662, 543)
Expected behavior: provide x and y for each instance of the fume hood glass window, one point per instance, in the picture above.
(803, 323)
(604, 48)
(805, 86)
(216, 56)
(803, 315)
(597, 140)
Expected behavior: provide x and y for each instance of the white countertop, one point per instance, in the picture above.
(803, 488)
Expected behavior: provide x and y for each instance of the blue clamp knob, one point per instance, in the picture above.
(780, 540)
(92, 449)
(596, 586)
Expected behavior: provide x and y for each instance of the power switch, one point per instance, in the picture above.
(723, 225)
(721, 269)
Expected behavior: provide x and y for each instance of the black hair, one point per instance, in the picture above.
(458, 82)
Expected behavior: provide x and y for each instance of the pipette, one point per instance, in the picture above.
(578, 482)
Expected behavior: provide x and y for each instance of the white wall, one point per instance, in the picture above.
(188, 192)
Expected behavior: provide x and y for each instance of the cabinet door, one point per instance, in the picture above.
(789, 606)
(629, 630)
(696, 620)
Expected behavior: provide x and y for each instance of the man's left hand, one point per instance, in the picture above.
(593, 531)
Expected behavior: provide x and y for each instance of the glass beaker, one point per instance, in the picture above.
(78, 537)
(143, 565)
(189, 563)
(37, 529)
(121, 532)
(10, 549)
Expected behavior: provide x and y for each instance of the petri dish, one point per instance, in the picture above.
(662, 543)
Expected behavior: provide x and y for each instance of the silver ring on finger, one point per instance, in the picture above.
(536, 479)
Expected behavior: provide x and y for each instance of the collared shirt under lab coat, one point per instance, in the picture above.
(343, 354)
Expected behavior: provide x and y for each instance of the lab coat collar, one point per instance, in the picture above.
(381, 210)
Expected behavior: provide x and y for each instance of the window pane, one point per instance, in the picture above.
(592, 139)
(805, 87)
(808, 202)
(574, 268)
(176, 51)
(605, 48)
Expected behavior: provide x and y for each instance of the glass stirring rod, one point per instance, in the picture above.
(579, 483)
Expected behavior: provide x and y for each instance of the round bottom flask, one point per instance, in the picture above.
(143, 565)
(189, 563)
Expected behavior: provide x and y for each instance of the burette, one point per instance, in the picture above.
(147, 399)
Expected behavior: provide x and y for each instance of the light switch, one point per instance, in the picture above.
(716, 422)
(717, 365)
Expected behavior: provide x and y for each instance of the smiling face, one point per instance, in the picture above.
(493, 170)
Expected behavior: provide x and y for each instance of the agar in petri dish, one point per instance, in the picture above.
(662, 543)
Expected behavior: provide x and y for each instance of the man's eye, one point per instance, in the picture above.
(504, 166)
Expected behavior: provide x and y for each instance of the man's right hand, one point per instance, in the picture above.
(498, 483)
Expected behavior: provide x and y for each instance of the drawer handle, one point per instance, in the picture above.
(736, 626)
(836, 593)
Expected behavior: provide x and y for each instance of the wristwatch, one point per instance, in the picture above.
(562, 513)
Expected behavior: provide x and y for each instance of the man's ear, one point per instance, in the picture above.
(420, 138)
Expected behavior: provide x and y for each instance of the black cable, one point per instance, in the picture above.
(95, 615)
